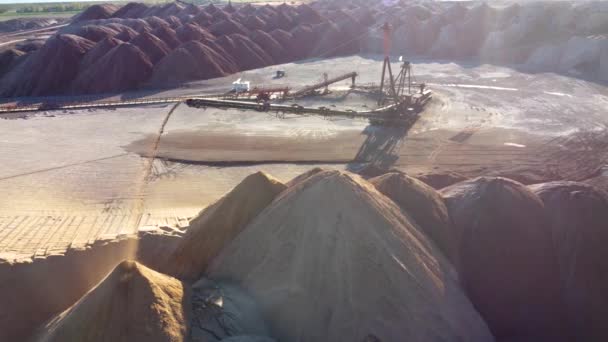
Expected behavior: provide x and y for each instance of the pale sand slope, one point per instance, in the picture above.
(219, 223)
(332, 259)
(134, 303)
(424, 205)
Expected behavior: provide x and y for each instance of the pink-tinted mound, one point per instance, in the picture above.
(192, 32)
(96, 33)
(167, 35)
(100, 11)
(124, 67)
(154, 48)
(48, 70)
(226, 27)
(190, 61)
(98, 51)
(248, 54)
(131, 10)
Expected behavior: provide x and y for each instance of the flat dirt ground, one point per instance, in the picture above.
(70, 177)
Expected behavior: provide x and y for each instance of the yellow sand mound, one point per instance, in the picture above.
(218, 224)
(423, 204)
(133, 303)
(332, 259)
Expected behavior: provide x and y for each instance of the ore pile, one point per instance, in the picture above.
(329, 256)
(131, 293)
(177, 43)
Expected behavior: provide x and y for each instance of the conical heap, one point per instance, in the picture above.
(579, 228)
(505, 257)
(332, 259)
(221, 222)
(423, 204)
(133, 303)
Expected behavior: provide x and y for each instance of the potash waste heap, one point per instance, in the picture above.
(330, 256)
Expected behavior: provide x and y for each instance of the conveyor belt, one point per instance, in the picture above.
(63, 105)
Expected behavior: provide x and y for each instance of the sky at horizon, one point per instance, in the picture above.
(5, 2)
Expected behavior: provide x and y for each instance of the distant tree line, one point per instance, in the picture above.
(69, 7)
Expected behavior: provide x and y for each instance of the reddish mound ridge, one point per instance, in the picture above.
(247, 9)
(131, 10)
(96, 33)
(168, 35)
(48, 70)
(579, 226)
(152, 46)
(171, 8)
(308, 15)
(190, 61)
(124, 67)
(306, 38)
(9, 59)
(253, 22)
(191, 9)
(191, 32)
(286, 40)
(97, 52)
(504, 247)
(211, 9)
(227, 27)
(174, 21)
(220, 15)
(202, 19)
(126, 33)
(156, 22)
(246, 53)
(138, 25)
(255, 36)
(100, 11)
(270, 45)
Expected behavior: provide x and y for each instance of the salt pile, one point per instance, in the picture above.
(167, 35)
(316, 276)
(220, 223)
(190, 61)
(579, 227)
(423, 204)
(154, 48)
(133, 303)
(131, 10)
(99, 11)
(329, 256)
(156, 22)
(97, 52)
(191, 32)
(504, 247)
(9, 59)
(564, 37)
(48, 70)
(96, 33)
(124, 67)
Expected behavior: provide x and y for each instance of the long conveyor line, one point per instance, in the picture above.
(95, 104)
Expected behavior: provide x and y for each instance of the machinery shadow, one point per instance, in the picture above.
(380, 150)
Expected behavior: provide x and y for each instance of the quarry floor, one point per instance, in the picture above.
(68, 178)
